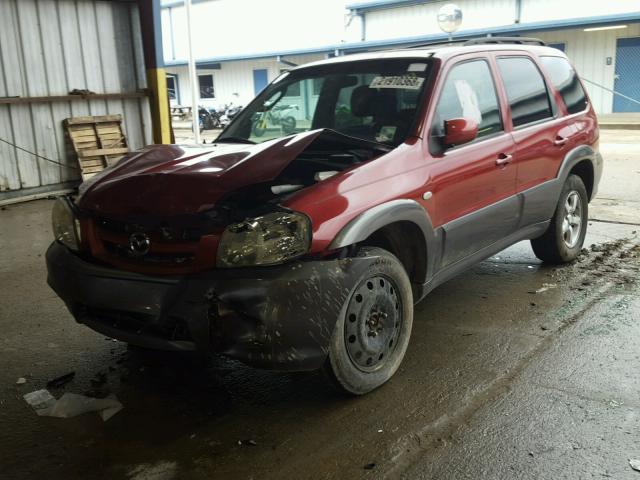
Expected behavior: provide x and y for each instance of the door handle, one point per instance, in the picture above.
(559, 141)
(503, 159)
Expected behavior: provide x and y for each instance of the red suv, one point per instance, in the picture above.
(304, 245)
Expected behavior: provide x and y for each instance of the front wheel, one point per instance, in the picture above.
(563, 240)
(372, 333)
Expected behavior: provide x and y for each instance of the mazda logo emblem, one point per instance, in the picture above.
(139, 244)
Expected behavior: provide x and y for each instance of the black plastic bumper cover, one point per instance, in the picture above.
(278, 317)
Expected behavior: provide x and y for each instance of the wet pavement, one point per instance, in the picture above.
(499, 381)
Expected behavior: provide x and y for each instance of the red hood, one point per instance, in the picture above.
(172, 179)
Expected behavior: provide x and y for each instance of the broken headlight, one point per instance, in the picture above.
(66, 227)
(267, 240)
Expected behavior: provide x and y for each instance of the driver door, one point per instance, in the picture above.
(473, 184)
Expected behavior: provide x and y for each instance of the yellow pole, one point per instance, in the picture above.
(159, 99)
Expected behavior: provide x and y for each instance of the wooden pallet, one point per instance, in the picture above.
(97, 142)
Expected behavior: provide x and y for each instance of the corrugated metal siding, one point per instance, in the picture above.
(422, 19)
(478, 14)
(589, 51)
(50, 47)
(235, 77)
(543, 10)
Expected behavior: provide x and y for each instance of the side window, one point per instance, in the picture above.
(469, 92)
(566, 81)
(526, 90)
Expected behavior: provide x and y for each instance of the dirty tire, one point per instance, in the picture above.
(386, 308)
(556, 245)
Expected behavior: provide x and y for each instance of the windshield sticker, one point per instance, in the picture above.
(408, 82)
(417, 67)
(386, 133)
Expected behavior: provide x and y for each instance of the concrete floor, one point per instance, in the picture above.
(498, 382)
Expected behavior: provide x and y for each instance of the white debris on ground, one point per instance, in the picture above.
(635, 464)
(159, 471)
(544, 288)
(72, 404)
(21, 381)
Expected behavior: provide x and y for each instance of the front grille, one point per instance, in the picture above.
(161, 230)
(168, 246)
(171, 328)
(123, 251)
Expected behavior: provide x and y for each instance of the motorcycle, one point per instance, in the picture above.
(208, 118)
(280, 115)
(228, 112)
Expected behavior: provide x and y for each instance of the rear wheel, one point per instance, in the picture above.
(259, 127)
(288, 124)
(372, 333)
(563, 240)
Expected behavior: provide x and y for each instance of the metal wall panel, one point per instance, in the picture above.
(543, 10)
(48, 48)
(422, 19)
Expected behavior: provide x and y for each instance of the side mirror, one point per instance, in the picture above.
(459, 130)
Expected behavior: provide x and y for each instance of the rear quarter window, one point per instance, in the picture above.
(526, 91)
(565, 80)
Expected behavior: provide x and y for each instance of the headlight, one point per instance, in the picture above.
(66, 227)
(273, 238)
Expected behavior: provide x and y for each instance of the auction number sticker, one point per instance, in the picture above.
(409, 82)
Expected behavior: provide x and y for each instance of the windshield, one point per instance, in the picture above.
(374, 100)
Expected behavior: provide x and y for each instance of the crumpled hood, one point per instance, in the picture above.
(173, 179)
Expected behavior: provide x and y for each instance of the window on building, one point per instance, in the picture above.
(526, 90)
(469, 92)
(172, 87)
(566, 81)
(206, 86)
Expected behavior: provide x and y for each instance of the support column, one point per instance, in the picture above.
(151, 26)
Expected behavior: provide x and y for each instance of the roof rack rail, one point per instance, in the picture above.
(434, 44)
(502, 40)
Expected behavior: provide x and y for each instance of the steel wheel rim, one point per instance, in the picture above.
(373, 322)
(572, 219)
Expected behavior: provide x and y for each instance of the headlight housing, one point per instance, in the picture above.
(267, 240)
(66, 227)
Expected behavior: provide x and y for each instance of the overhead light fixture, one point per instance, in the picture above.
(611, 27)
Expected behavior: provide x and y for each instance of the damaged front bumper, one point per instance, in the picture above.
(279, 317)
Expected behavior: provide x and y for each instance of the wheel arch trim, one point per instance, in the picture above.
(366, 223)
(577, 155)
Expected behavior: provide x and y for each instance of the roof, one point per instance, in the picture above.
(437, 51)
(362, 7)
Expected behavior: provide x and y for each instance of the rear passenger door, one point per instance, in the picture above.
(473, 184)
(542, 135)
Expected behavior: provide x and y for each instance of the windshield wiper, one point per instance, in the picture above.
(234, 140)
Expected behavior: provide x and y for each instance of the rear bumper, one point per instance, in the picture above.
(278, 317)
